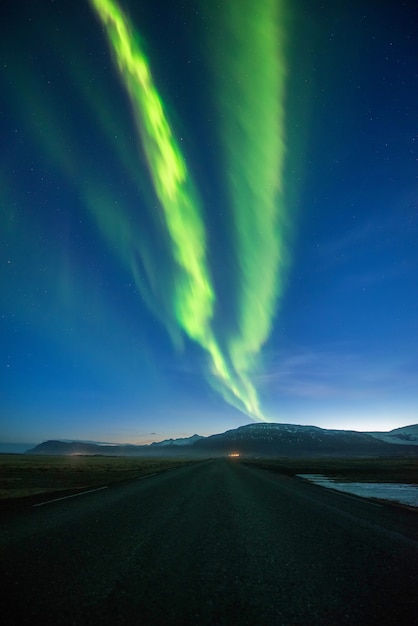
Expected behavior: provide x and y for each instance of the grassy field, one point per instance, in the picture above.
(379, 470)
(23, 475)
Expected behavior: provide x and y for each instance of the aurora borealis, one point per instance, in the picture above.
(254, 181)
(209, 216)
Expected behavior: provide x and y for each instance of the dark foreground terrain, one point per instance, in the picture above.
(211, 543)
(25, 475)
(382, 470)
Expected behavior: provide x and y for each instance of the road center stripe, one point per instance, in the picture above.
(74, 495)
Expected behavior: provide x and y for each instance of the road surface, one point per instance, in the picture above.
(215, 543)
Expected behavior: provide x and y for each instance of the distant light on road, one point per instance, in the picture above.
(233, 454)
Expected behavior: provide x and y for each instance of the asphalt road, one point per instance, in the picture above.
(212, 543)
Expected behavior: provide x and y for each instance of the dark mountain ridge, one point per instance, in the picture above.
(261, 440)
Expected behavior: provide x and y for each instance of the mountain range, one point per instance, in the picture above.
(257, 440)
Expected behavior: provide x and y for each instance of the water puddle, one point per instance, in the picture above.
(397, 492)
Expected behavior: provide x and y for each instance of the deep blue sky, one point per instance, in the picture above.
(84, 355)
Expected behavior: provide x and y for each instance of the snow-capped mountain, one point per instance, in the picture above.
(180, 441)
(268, 440)
(294, 440)
(406, 436)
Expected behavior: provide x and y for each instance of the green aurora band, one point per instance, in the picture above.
(194, 295)
(249, 71)
(249, 94)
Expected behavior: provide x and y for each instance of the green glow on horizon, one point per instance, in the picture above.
(194, 296)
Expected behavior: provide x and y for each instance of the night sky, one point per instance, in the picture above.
(209, 215)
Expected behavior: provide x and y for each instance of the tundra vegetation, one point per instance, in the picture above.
(379, 469)
(23, 475)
